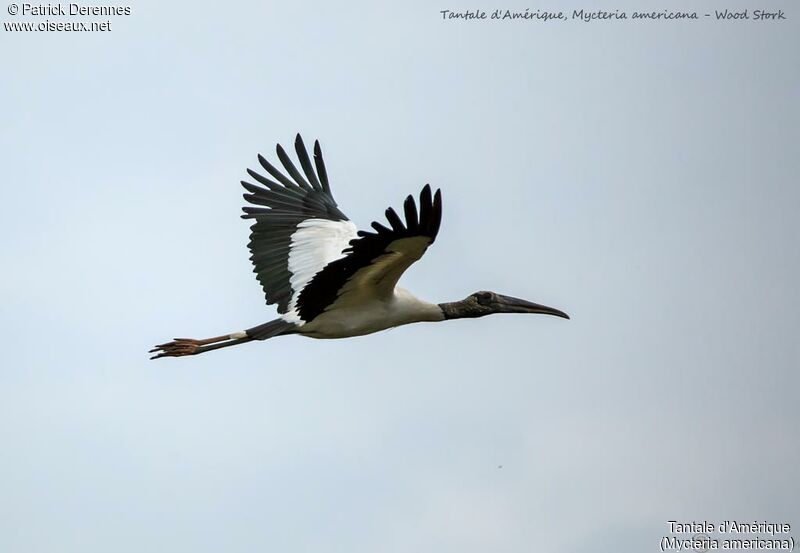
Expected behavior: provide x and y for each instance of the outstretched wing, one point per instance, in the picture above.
(298, 228)
(375, 261)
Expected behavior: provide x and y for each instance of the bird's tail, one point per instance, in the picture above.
(180, 347)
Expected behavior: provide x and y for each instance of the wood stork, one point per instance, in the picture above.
(329, 279)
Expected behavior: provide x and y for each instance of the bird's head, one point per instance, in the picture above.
(485, 303)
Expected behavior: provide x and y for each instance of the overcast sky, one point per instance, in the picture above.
(642, 177)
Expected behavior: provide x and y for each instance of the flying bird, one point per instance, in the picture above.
(329, 279)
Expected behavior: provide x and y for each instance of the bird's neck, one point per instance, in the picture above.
(461, 309)
(416, 309)
(451, 310)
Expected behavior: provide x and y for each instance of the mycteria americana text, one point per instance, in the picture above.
(329, 279)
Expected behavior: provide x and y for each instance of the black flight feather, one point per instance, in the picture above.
(283, 204)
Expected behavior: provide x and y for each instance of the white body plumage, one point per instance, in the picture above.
(344, 319)
(369, 302)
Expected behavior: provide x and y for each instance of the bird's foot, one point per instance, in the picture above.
(178, 348)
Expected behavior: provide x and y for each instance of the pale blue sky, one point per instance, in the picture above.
(644, 178)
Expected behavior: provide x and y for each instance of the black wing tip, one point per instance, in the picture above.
(322, 172)
(307, 165)
(394, 220)
(411, 213)
(410, 207)
(293, 179)
(426, 196)
(437, 203)
(437, 214)
(299, 145)
(425, 221)
(264, 162)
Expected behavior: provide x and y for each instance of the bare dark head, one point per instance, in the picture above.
(484, 303)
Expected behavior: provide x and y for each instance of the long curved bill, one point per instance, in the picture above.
(509, 304)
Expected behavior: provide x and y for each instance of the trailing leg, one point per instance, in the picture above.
(190, 346)
(180, 347)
